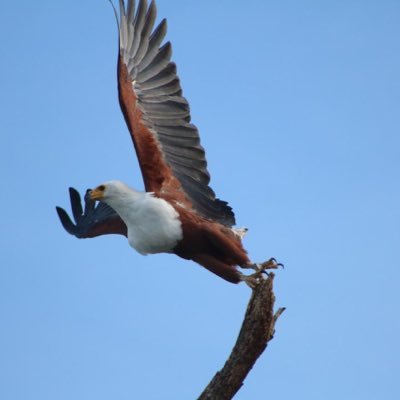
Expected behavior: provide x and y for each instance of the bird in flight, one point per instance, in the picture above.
(178, 212)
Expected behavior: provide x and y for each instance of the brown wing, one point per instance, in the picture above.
(168, 147)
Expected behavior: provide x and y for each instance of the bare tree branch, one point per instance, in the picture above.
(257, 330)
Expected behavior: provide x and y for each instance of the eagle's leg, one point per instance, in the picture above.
(218, 267)
(262, 267)
(254, 279)
(251, 280)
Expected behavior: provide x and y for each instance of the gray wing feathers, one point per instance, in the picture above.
(165, 111)
(154, 43)
(138, 24)
(160, 61)
(143, 43)
(172, 88)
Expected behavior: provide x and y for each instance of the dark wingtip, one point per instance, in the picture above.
(74, 193)
(66, 221)
(89, 203)
(76, 203)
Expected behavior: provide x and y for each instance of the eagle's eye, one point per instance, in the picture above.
(102, 188)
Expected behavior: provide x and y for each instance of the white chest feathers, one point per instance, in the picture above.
(153, 224)
(154, 227)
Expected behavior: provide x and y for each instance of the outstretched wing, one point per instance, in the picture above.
(94, 220)
(168, 147)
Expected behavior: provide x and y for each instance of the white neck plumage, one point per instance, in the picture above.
(153, 224)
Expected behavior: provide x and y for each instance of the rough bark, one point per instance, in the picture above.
(257, 330)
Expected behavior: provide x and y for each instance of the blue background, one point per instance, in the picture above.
(297, 103)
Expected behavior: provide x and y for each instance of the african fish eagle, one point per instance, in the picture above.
(178, 213)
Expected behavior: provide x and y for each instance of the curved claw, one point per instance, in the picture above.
(270, 264)
(277, 265)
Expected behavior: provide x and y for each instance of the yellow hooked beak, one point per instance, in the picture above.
(98, 193)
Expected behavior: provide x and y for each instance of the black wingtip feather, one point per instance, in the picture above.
(89, 203)
(76, 203)
(66, 221)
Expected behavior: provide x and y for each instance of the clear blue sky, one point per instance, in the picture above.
(297, 103)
